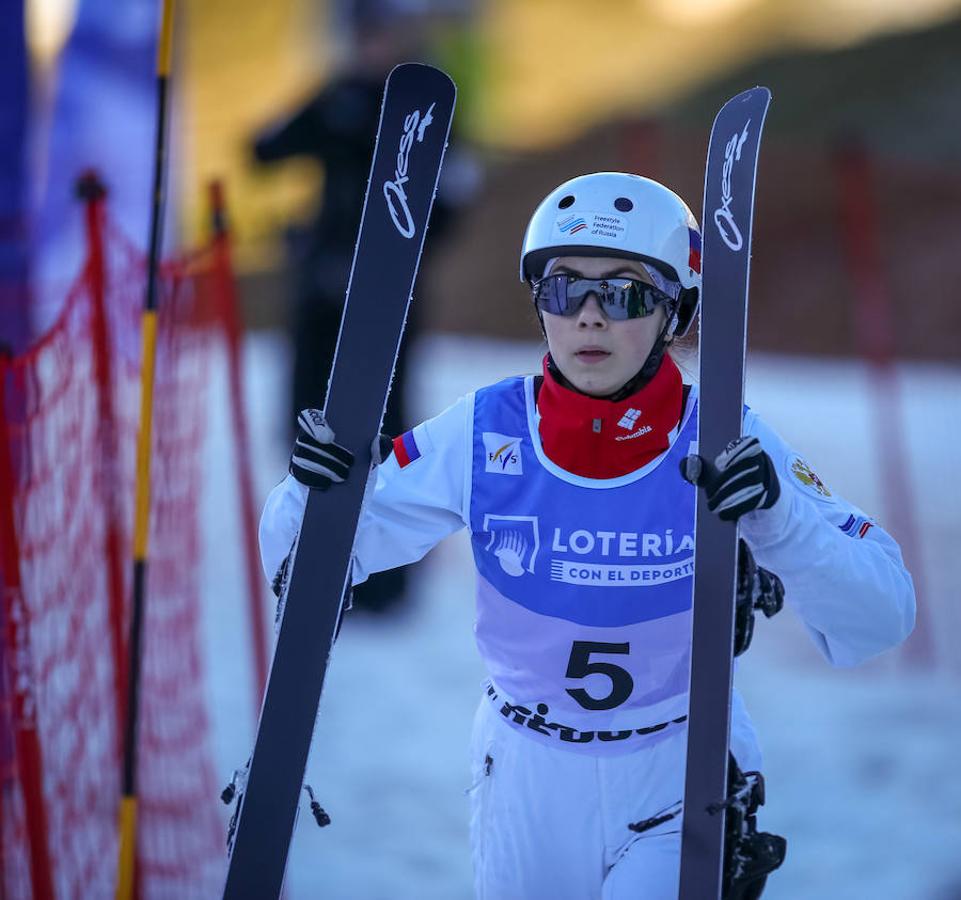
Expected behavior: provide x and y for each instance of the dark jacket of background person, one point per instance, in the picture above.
(338, 127)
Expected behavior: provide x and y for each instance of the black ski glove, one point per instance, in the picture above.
(318, 461)
(741, 479)
(757, 589)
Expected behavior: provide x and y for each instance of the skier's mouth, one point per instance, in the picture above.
(592, 354)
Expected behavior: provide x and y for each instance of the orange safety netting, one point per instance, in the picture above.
(69, 416)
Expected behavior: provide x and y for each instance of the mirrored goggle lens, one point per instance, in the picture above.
(619, 298)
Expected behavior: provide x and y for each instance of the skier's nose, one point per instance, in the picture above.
(590, 314)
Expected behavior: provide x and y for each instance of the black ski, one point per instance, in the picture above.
(727, 222)
(411, 139)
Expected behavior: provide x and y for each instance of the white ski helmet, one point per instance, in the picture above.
(618, 214)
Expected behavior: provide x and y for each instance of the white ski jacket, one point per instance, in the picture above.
(842, 573)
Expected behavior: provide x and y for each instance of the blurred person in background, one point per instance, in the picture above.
(582, 526)
(337, 126)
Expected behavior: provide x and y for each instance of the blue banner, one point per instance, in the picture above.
(13, 195)
(103, 119)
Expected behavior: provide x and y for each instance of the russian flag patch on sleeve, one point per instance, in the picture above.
(406, 449)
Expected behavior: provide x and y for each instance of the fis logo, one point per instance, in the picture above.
(503, 454)
(514, 540)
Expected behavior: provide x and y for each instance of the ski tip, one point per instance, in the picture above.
(755, 93)
(420, 69)
(756, 98)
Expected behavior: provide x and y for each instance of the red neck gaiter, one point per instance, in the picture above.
(598, 438)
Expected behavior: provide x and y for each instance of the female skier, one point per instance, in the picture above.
(582, 533)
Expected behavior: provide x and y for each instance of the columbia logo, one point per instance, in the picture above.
(629, 419)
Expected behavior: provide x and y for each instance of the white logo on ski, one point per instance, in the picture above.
(723, 217)
(394, 192)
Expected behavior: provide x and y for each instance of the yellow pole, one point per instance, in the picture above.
(126, 863)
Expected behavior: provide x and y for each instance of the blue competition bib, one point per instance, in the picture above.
(567, 563)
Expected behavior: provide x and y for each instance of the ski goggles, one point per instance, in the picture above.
(619, 298)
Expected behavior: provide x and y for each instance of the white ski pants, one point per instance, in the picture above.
(551, 824)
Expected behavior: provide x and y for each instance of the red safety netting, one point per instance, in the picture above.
(68, 424)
